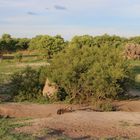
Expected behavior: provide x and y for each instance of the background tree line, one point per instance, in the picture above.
(53, 44)
(9, 44)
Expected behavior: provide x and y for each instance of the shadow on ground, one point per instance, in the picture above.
(59, 135)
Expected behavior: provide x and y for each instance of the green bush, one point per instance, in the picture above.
(90, 72)
(26, 85)
(42, 74)
(61, 95)
(104, 105)
(18, 57)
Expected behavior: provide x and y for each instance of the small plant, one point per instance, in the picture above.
(104, 106)
(137, 124)
(18, 57)
(41, 99)
(61, 95)
(124, 123)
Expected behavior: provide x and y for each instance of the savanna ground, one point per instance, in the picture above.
(34, 121)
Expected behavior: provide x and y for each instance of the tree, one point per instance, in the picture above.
(135, 40)
(98, 41)
(7, 43)
(48, 44)
(35, 43)
(22, 43)
(107, 40)
(80, 41)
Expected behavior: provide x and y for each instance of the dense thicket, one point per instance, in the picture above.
(85, 68)
(90, 72)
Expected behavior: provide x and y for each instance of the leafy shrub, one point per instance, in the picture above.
(90, 72)
(18, 57)
(42, 75)
(104, 105)
(26, 85)
(61, 95)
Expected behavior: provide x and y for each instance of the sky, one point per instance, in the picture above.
(28, 18)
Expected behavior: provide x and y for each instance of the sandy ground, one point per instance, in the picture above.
(82, 122)
(90, 124)
(31, 110)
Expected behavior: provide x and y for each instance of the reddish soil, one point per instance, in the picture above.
(80, 123)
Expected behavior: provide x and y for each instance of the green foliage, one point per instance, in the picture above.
(25, 85)
(107, 40)
(42, 75)
(84, 69)
(61, 95)
(18, 57)
(47, 45)
(104, 105)
(98, 41)
(136, 75)
(90, 72)
(80, 41)
(135, 40)
(53, 45)
(7, 43)
(22, 43)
